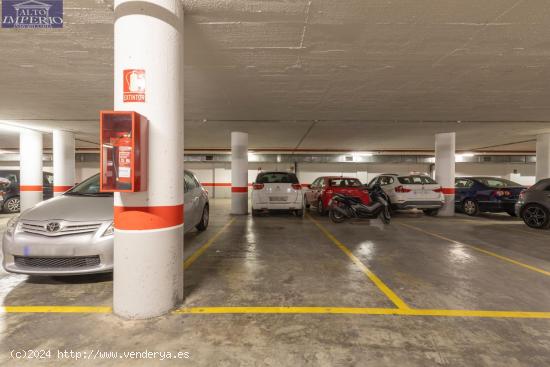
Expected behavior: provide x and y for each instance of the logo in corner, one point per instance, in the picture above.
(32, 14)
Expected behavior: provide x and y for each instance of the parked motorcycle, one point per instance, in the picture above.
(342, 207)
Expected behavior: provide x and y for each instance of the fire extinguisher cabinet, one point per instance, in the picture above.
(123, 154)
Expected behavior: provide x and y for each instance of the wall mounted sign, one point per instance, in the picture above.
(134, 85)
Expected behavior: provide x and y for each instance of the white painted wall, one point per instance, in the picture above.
(85, 170)
(217, 176)
(220, 173)
(525, 172)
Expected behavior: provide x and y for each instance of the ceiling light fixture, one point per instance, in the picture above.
(460, 157)
(362, 154)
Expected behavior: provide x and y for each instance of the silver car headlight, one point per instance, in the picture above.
(109, 231)
(12, 225)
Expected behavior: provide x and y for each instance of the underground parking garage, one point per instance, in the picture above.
(278, 183)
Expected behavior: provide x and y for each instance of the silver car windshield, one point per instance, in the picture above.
(89, 187)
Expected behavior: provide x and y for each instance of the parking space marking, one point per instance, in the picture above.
(56, 309)
(191, 259)
(287, 310)
(398, 302)
(292, 310)
(479, 249)
(364, 311)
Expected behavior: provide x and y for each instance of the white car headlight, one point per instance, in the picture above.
(109, 231)
(12, 225)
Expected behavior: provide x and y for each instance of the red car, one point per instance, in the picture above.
(323, 188)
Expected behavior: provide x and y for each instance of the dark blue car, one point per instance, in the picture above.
(486, 194)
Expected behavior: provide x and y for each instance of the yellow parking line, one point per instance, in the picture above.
(398, 302)
(293, 310)
(364, 311)
(104, 309)
(287, 310)
(501, 257)
(191, 259)
(481, 313)
(56, 309)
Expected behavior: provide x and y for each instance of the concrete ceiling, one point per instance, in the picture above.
(309, 74)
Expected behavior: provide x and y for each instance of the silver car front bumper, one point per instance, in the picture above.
(71, 254)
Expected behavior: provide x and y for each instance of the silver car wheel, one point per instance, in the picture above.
(469, 207)
(13, 205)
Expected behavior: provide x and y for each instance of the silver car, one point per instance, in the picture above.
(73, 233)
(533, 205)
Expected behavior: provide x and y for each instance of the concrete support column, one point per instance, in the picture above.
(239, 173)
(148, 243)
(445, 170)
(30, 162)
(543, 156)
(63, 161)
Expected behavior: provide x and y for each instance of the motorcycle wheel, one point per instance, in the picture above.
(385, 216)
(336, 216)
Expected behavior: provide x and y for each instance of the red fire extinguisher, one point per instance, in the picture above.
(123, 159)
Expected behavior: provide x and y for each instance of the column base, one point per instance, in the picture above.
(448, 209)
(239, 203)
(148, 272)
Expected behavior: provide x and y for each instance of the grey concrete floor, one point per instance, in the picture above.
(490, 263)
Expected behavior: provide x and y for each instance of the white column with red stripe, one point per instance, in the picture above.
(543, 156)
(63, 161)
(30, 162)
(148, 247)
(239, 173)
(445, 170)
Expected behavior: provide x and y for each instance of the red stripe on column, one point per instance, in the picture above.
(147, 217)
(30, 187)
(61, 188)
(239, 189)
(217, 184)
(448, 190)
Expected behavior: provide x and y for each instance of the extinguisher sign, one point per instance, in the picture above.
(134, 85)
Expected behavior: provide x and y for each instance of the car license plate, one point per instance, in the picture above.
(277, 198)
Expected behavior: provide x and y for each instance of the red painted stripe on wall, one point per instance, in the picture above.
(216, 184)
(228, 184)
(239, 189)
(61, 188)
(448, 190)
(147, 217)
(30, 187)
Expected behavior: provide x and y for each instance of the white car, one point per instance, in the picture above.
(277, 191)
(414, 191)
